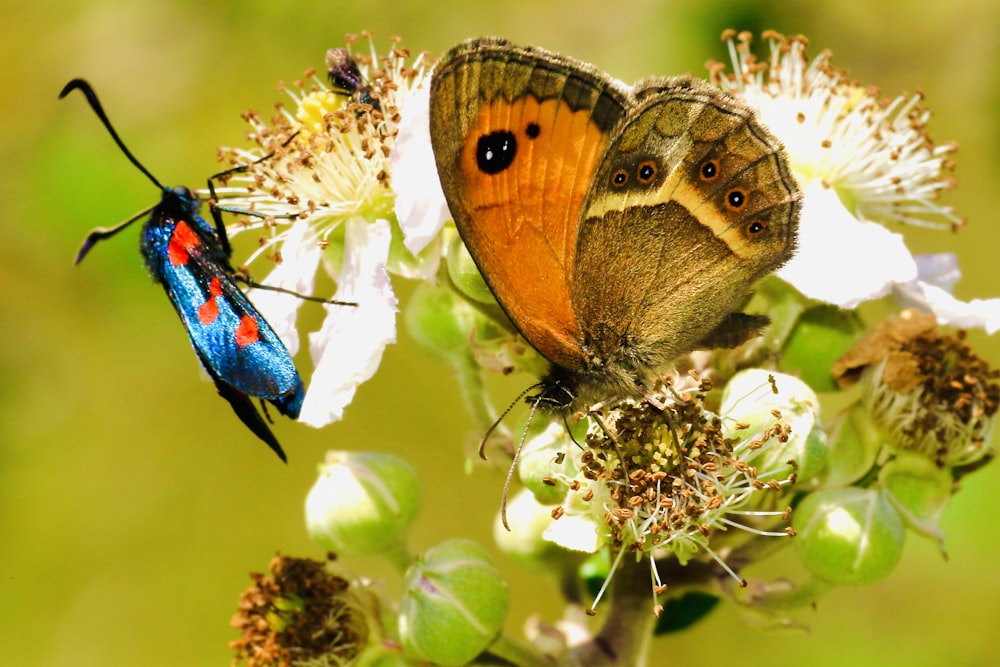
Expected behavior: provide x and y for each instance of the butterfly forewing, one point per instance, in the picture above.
(517, 139)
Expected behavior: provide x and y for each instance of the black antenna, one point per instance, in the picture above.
(95, 104)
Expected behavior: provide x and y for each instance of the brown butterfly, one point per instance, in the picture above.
(618, 227)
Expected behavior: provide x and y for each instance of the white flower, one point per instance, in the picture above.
(319, 189)
(876, 155)
(843, 260)
(984, 313)
(301, 256)
(863, 163)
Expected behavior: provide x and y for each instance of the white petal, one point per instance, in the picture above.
(984, 313)
(420, 206)
(348, 348)
(841, 260)
(575, 532)
(939, 269)
(300, 258)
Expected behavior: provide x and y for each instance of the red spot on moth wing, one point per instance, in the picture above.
(215, 286)
(182, 242)
(246, 332)
(208, 312)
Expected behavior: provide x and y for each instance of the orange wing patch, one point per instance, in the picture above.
(529, 210)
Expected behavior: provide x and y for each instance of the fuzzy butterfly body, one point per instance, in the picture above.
(190, 259)
(618, 227)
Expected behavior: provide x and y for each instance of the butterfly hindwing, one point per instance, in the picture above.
(692, 192)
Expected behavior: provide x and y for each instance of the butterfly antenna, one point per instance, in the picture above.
(569, 431)
(513, 462)
(503, 415)
(95, 104)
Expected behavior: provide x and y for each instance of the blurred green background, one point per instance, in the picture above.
(133, 502)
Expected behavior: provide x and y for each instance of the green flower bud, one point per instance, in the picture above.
(750, 403)
(391, 660)
(454, 605)
(854, 446)
(439, 321)
(920, 487)
(363, 503)
(848, 536)
(822, 334)
(538, 467)
(465, 274)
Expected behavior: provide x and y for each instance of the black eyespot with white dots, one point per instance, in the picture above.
(755, 228)
(495, 151)
(736, 199)
(619, 179)
(709, 170)
(646, 172)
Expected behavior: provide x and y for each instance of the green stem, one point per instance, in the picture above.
(399, 556)
(473, 391)
(628, 630)
(518, 652)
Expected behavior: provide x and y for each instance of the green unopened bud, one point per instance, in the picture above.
(854, 446)
(820, 336)
(784, 411)
(439, 321)
(465, 274)
(848, 536)
(543, 462)
(363, 503)
(921, 488)
(454, 605)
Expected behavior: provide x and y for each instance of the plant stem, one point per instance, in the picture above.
(518, 652)
(628, 630)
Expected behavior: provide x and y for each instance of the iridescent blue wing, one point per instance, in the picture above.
(235, 345)
(234, 342)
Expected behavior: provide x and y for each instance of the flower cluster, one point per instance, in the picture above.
(663, 477)
(864, 163)
(317, 189)
(636, 503)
